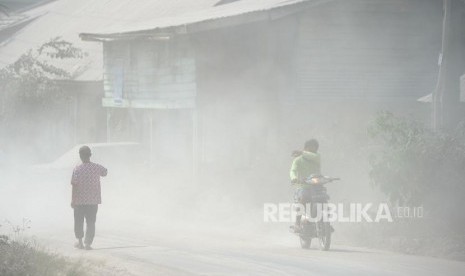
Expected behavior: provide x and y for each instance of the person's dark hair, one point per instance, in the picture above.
(85, 153)
(311, 145)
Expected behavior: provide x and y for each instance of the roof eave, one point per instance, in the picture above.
(205, 25)
(124, 36)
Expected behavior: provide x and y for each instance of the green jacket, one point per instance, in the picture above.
(305, 165)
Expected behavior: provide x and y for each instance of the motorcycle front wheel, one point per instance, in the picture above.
(305, 242)
(325, 236)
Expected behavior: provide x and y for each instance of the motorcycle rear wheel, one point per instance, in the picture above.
(325, 237)
(305, 242)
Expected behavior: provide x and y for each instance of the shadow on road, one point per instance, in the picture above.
(120, 247)
(346, 250)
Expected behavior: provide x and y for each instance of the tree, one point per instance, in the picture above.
(415, 165)
(32, 95)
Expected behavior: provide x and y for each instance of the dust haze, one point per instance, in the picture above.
(208, 170)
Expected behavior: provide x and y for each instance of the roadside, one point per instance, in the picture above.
(421, 238)
(205, 252)
(26, 256)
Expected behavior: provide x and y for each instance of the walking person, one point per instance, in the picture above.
(85, 197)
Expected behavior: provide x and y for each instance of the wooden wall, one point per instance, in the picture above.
(149, 74)
(368, 49)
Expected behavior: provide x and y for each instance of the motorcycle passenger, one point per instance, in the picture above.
(306, 163)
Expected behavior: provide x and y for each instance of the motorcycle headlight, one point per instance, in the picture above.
(315, 180)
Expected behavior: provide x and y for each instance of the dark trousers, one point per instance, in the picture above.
(304, 196)
(89, 212)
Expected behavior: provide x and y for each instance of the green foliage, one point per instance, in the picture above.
(32, 82)
(59, 48)
(24, 258)
(34, 101)
(415, 165)
(21, 256)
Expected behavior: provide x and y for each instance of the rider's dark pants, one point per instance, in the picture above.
(302, 196)
(88, 212)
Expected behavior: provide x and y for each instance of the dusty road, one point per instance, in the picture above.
(138, 245)
(199, 253)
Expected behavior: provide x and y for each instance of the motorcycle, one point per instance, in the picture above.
(313, 193)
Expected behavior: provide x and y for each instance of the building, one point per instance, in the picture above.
(227, 84)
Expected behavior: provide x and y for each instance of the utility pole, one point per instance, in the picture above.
(439, 91)
(446, 97)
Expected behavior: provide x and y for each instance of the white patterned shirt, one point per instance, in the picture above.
(86, 184)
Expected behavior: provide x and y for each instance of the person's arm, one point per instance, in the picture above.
(294, 173)
(74, 177)
(73, 193)
(103, 171)
(73, 185)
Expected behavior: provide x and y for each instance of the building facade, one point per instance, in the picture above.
(231, 92)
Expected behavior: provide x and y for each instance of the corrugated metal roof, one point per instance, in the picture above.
(69, 18)
(21, 5)
(7, 21)
(185, 14)
(55, 19)
(10, 18)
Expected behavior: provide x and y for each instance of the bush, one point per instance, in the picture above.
(415, 165)
(27, 258)
(24, 256)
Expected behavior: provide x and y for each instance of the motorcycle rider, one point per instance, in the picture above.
(305, 163)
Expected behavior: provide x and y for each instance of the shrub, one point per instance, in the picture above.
(415, 165)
